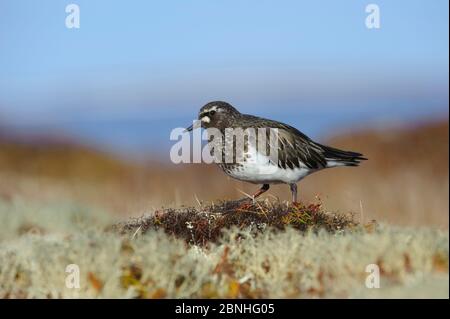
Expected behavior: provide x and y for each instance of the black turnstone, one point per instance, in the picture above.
(297, 155)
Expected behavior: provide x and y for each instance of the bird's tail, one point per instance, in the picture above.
(337, 157)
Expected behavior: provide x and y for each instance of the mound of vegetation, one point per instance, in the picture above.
(205, 224)
(39, 242)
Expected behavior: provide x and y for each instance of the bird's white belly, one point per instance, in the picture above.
(259, 169)
(269, 174)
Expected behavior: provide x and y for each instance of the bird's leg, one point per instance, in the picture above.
(294, 192)
(260, 191)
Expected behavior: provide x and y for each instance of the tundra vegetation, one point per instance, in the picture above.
(151, 230)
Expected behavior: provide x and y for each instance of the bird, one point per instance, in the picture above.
(297, 155)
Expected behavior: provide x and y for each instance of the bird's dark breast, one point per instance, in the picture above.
(229, 162)
(227, 157)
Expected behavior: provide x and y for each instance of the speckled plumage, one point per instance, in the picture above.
(298, 155)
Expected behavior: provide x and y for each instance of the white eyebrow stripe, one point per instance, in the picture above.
(213, 108)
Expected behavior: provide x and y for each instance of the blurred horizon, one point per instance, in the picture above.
(134, 71)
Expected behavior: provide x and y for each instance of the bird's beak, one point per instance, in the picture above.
(190, 128)
(195, 125)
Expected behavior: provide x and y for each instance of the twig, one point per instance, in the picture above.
(135, 233)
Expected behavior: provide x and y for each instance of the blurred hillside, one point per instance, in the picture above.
(405, 180)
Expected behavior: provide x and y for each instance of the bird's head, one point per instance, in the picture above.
(215, 114)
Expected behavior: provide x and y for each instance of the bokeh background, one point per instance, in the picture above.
(86, 114)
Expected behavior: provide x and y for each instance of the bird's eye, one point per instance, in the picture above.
(212, 112)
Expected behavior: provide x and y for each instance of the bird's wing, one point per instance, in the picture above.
(295, 149)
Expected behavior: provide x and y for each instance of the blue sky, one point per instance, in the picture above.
(141, 64)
